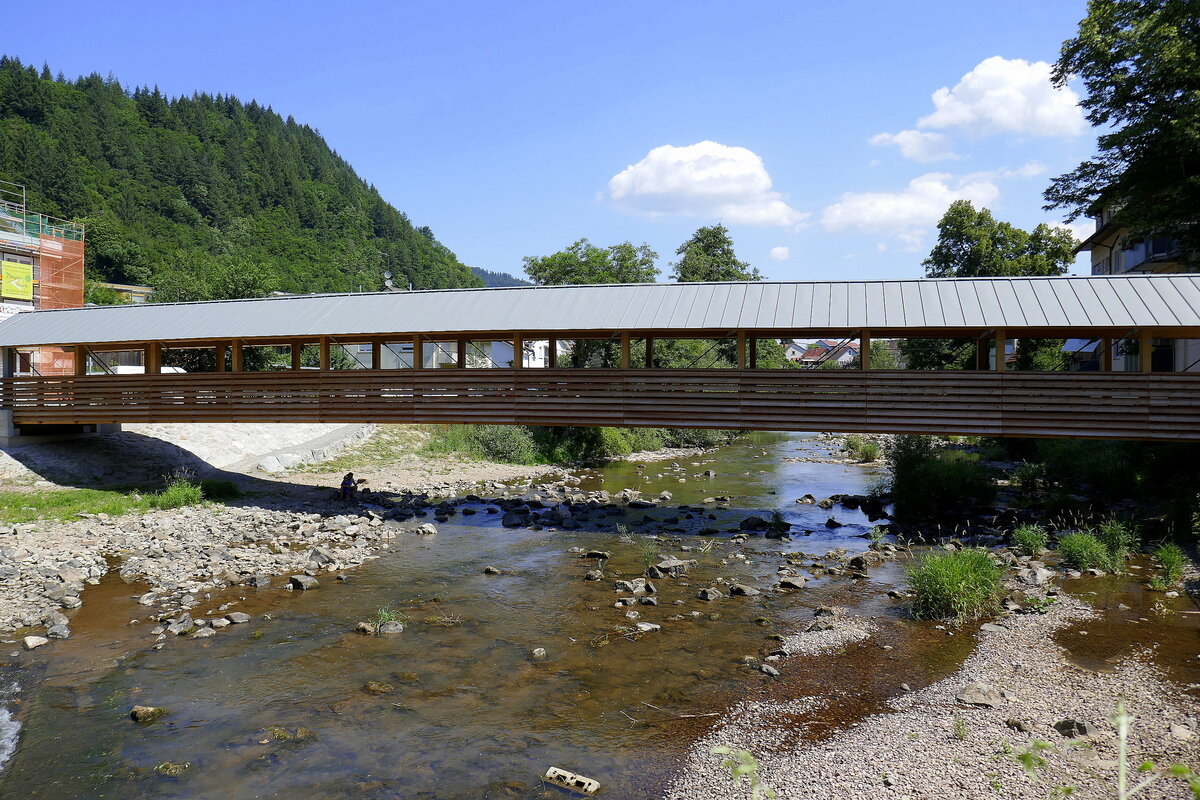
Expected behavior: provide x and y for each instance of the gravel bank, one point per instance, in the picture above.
(916, 752)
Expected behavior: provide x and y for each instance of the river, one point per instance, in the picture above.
(464, 710)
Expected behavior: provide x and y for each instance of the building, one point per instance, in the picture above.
(130, 293)
(822, 351)
(1114, 252)
(41, 267)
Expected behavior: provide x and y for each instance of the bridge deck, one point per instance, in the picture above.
(1151, 406)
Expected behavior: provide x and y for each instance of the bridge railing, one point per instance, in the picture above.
(1163, 406)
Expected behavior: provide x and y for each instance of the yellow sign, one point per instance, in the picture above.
(16, 280)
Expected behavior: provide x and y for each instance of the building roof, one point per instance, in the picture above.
(899, 306)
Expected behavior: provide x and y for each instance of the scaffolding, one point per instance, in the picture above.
(52, 251)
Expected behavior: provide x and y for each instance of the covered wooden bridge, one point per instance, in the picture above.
(398, 345)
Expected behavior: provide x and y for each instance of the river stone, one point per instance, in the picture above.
(1182, 733)
(391, 626)
(538, 653)
(991, 627)
(365, 627)
(303, 582)
(832, 523)
(320, 557)
(427, 529)
(742, 590)
(710, 594)
(593, 575)
(34, 642)
(1036, 576)
(512, 519)
(71, 601)
(146, 713)
(792, 582)
(647, 600)
(673, 567)
(824, 611)
(806, 500)
(203, 633)
(979, 694)
(1074, 728)
(59, 632)
(237, 617)
(489, 570)
(220, 622)
(648, 627)
(767, 669)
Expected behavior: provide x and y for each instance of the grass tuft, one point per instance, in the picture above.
(1031, 540)
(178, 494)
(958, 585)
(1170, 560)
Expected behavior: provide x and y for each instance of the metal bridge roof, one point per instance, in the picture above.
(897, 306)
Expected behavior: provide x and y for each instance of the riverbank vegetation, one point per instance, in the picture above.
(930, 481)
(522, 444)
(959, 585)
(64, 505)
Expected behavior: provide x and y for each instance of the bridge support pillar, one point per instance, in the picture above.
(1145, 352)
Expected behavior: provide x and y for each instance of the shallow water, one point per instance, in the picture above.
(470, 713)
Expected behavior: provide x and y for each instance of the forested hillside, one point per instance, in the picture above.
(498, 279)
(205, 196)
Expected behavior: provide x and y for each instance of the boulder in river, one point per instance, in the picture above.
(742, 590)
(303, 582)
(146, 713)
(34, 642)
(792, 582)
(237, 617)
(711, 593)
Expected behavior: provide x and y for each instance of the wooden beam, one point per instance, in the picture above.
(1001, 349)
(1106, 354)
(649, 352)
(864, 349)
(81, 354)
(238, 359)
(741, 349)
(376, 354)
(552, 354)
(323, 358)
(625, 349)
(296, 348)
(1145, 351)
(418, 356)
(752, 351)
(518, 343)
(462, 353)
(8, 362)
(981, 353)
(219, 351)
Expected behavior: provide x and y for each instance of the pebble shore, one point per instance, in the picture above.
(916, 752)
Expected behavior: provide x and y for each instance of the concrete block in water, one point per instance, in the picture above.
(571, 781)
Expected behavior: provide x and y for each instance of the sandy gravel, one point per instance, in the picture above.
(916, 752)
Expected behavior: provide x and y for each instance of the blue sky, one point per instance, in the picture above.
(812, 129)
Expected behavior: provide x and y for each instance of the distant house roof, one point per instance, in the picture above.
(897, 307)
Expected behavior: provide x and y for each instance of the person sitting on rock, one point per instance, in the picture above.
(348, 486)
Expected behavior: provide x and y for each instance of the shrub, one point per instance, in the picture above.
(1170, 564)
(961, 584)
(929, 481)
(179, 493)
(861, 449)
(1030, 476)
(1030, 539)
(1104, 468)
(1083, 551)
(213, 489)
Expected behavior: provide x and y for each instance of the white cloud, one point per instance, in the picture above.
(706, 179)
(781, 253)
(917, 145)
(920, 204)
(1080, 230)
(1007, 95)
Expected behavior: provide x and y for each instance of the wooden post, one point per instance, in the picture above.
(323, 358)
(981, 352)
(552, 354)
(625, 342)
(864, 349)
(741, 349)
(752, 352)
(649, 352)
(1145, 351)
(238, 361)
(418, 357)
(296, 355)
(518, 351)
(1001, 349)
(81, 354)
(8, 362)
(219, 351)
(462, 353)
(376, 354)
(1106, 354)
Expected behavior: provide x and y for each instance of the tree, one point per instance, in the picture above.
(709, 256)
(585, 263)
(973, 244)
(1139, 61)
